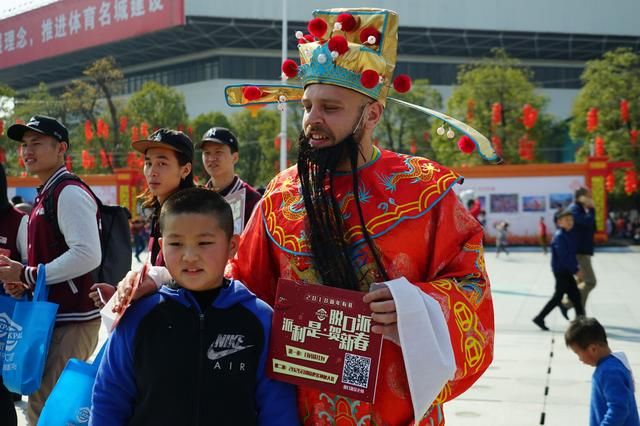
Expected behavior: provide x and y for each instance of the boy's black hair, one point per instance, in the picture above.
(199, 201)
(583, 332)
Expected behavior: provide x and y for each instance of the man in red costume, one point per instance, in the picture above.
(350, 214)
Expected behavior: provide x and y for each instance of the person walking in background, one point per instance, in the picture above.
(502, 237)
(584, 218)
(542, 234)
(139, 235)
(612, 387)
(564, 266)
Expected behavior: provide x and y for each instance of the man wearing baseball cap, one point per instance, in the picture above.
(219, 157)
(67, 244)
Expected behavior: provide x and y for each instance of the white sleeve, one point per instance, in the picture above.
(22, 238)
(425, 343)
(77, 221)
(159, 275)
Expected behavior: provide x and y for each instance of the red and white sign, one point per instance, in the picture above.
(70, 25)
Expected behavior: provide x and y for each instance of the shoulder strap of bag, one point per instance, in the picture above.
(41, 291)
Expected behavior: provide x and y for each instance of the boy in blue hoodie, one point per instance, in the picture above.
(195, 352)
(564, 265)
(612, 387)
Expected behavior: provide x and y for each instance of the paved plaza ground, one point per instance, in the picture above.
(534, 378)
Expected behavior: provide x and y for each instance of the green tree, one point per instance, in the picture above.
(498, 79)
(158, 106)
(607, 81)
(39, 101)
(107, 80)
(8, 152)
(402, 127)
(256, 132)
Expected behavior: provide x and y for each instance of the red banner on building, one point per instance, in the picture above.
(71, 25)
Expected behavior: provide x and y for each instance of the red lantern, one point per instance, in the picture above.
(190, 131)
(610, 182)
(132, 161)
(426, 136)
(592, 120)
(526, 149)
(413, 148)
(104, 161)
(111, 158)
(3, 156)
(471, 106)
(496, 113)
(624, 110)
(599, 147)
(123, 124)
(497, 144)
(630, 182)
(1, 127)
(20, 161)
(68, 164)
(135, 133)
(144, 130)
(633, 137)
(529, 116)
(88, 131)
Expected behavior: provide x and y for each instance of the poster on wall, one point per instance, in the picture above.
(559, 201)
(504, 203)
(534, 203)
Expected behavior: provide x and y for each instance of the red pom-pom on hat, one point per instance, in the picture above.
(347, 21)
(466, 145)
(338, 44)
(290, 68)
(402, 83)
(368, 32)
(369, 79)
(317, 27)
(251, 93)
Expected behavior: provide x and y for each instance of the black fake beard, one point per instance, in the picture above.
(325, 227)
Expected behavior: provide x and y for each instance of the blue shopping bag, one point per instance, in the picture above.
(69, 403)
(27, 347)
(7, 304)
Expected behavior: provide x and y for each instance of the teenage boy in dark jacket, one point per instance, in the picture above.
(564, 266)
(195, 352)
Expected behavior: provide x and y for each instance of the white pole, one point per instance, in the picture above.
(283, 113)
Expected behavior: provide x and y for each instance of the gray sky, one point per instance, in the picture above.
(14, 7)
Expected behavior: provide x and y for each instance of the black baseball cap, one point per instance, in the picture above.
(166, 138)
(220, 135)
(42, 124)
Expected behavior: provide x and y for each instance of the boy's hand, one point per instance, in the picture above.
(383, 309)
(101, 293)
(123, 297)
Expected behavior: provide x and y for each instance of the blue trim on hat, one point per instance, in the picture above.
(331, 73)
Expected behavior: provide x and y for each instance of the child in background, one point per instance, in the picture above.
(501, 240)
(612, 388)
(195, 352)
(564, 265)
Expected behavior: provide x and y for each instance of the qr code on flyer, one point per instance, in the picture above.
(356, 370)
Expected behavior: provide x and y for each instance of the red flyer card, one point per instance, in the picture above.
(321, 337)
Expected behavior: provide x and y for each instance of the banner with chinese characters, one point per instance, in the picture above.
(321, 337)
(71, 25)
